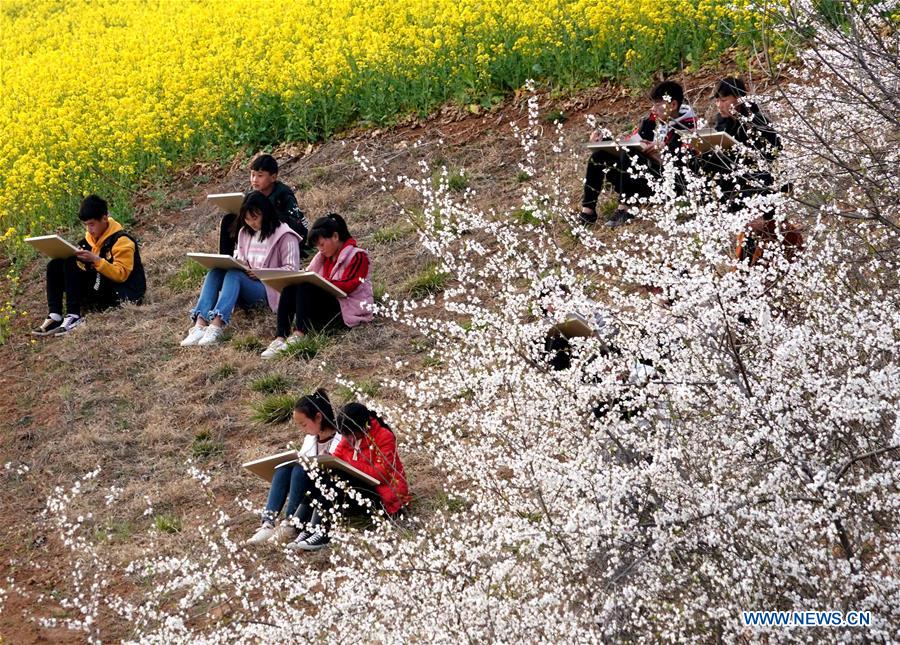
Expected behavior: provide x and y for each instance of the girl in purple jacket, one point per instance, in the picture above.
(305, 307)
(263, 242)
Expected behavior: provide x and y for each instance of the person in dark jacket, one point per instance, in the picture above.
(743, 172)
(629, 174)
(264, 178)
(105, 272)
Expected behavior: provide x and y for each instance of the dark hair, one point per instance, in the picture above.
(92, 207)
(256, 202)
(327, 226)
(354, 420)
(265, 163)
(731, 86)
(314, 403)
(668, 88)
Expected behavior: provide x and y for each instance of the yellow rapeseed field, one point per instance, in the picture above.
(97, 94)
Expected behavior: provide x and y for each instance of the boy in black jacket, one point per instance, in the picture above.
(742, 172)
(627, 173)
(264, 178)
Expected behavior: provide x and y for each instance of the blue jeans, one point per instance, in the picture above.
(222, 290)
(290, 483)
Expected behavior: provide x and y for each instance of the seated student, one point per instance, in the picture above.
(305, 307)
(315, 418)
(105, 273)
(264, 178)
(764, 231)
(626, 172)
(368, 444)
(741, 173)
(263, 243)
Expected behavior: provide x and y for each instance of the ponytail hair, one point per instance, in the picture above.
(355, 418)
(317, 402)
(327, 226)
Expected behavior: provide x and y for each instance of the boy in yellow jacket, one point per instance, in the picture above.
(106, 272)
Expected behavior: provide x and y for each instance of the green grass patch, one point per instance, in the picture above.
(366, 388)
(167, 524)
(431, 280)
(270, 384)
(378, 291)
(393, 233)
(457, 182)
(248, 343)
(522, 177)
(114, 531)
(205, 445)
(161, 198)
(524, 217)
(188, 278)
(275, 408)
(224, 371)
(307, 347)
(555, 116)
(432, 361)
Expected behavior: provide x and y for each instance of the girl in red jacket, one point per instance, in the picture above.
(368, 444)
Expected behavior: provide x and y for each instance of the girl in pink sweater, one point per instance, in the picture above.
(263, 242)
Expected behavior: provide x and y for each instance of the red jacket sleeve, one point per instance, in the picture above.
(354, 274)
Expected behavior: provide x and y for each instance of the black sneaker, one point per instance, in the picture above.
(588, 218)
(47, 328)
(619, 218)
(70, 322)
(314, 542)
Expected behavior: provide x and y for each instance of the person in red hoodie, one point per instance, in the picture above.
(305, 308)
(368, 444)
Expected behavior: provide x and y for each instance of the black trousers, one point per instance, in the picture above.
(307, 308)
(620, 170)
(737, 185)
(82, 288)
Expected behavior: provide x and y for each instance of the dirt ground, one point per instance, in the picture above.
(121, 394)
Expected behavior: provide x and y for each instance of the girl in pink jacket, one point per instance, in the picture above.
(263, 242)
(305, 307)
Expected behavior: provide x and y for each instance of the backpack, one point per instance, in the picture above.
(134, 287)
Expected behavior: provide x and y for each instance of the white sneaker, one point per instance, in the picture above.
(286, 532)
(211, 336)
(264, 534)
(292, 340)
(274, 348)
(193, 336)
(70, 322)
